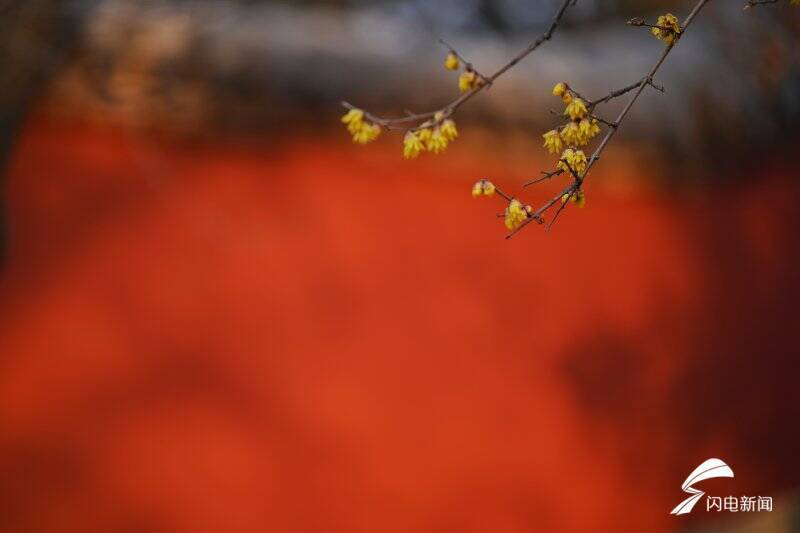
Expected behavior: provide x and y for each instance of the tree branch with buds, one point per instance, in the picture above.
(432, 131)
(668, 30)
(423, 130)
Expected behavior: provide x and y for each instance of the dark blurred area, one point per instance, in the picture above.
(216, 314)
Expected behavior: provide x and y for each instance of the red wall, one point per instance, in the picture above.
(300, 335)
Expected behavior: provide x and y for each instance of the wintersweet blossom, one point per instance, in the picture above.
(515, 214)
(666, 28)
(468, 80)
(571, 134)
(451, 62)
(587, 129)
(483, 187)
(553, 142)
(572, 159)
(576, 109)
(577, 197)
(449, 130)
(412, 145)
(363, 132)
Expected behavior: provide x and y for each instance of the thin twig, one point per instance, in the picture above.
(545, 176)
(754, 3)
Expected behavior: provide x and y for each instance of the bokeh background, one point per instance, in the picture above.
(217, 314)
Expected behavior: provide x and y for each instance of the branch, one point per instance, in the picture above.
(620, 92)
(638, 88)
(754, 3)
(449, 109)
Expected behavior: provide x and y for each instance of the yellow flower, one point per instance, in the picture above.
(425, 133)
(468, 80)
(354, 115)
(354, 120)
(412, 146)
(576, 109)
(588, 129)
(553, 142)
(437, 142)
(451, 61)
(515, 214)
(570, 134)
(667, 28)
(574, 159)
(362, 132)
(795, 2)
(449, 130)
(564, 159)
(483, 187)
(578, 198)
(367, 133)
(477, 190)
(562, 89)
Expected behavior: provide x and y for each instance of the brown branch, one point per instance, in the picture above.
(577, 182)
(620, 92)
(639, 22)
(449, 109)
(754, 3)
(545, 176)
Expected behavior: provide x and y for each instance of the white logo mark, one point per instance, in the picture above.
(708, 470)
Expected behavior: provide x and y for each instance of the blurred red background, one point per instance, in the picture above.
(294, 334)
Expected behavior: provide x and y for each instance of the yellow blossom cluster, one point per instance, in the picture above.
(577, 197)
(483, 187)
(794, 2)
(574, 133)
(516, 214)
(363, 131)
(579, 130)
(572, 159)
(431, 136)
(667, 28)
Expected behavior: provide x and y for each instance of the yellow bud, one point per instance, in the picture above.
(667, 28)
(468, 81)
(515, 214)
(560, 89)
(354, 115)
(477, 190)
(451, 61)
